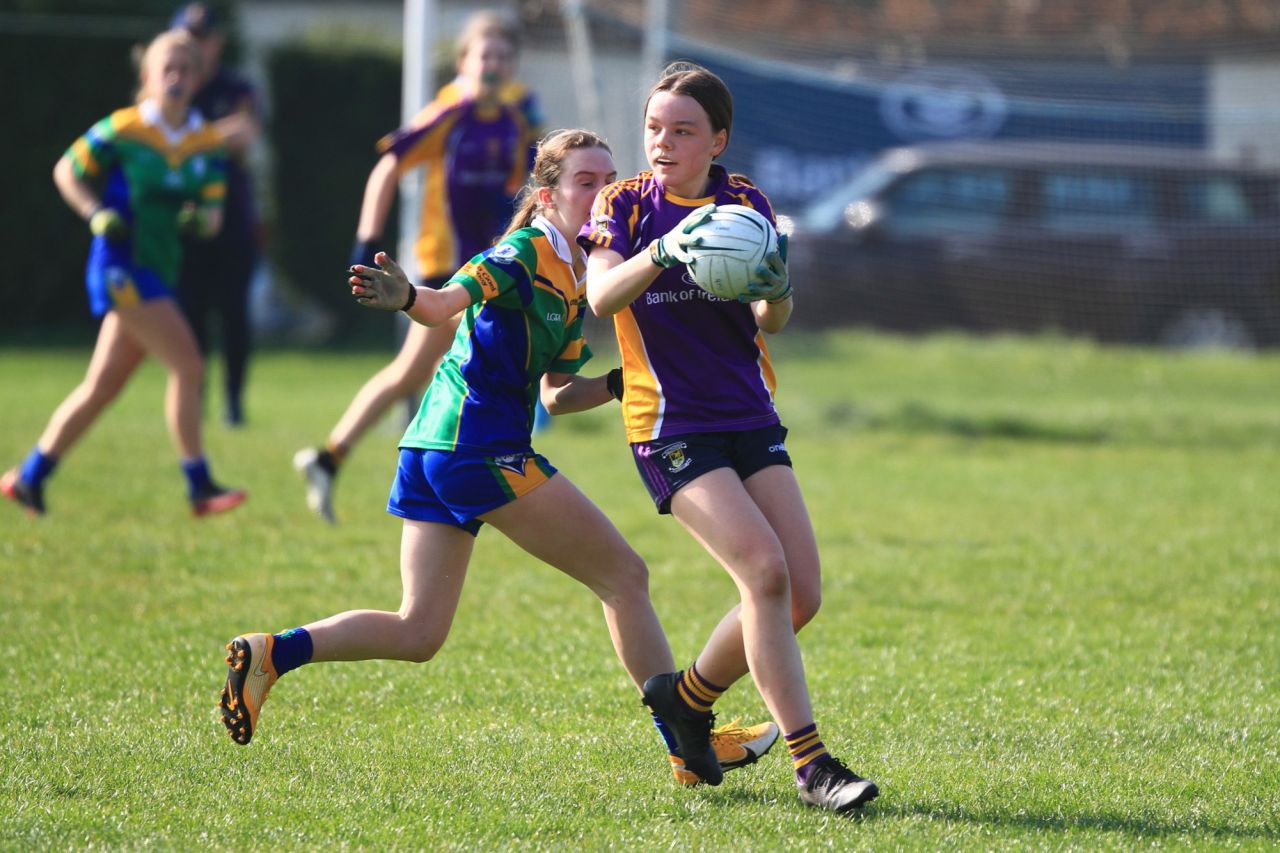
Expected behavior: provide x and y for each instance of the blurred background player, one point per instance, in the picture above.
(139, 177)
(475, 142)
(216, 272)
(698, 406)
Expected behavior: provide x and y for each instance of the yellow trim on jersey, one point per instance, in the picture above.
(436, 247)
(766, 367)
(129, 123)
(603, 207)
(643, 404)
(86, 165)
(687, 202)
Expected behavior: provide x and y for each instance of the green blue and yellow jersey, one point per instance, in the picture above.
(147, 172)
(525, 320)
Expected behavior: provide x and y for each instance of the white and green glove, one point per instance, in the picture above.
(772, 282)
(673, 247)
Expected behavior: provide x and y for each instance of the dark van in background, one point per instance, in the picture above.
(1132, 244)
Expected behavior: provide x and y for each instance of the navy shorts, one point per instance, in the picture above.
(455, 488)
(668, 464)
(436, 282)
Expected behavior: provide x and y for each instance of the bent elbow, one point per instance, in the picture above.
(602, 306)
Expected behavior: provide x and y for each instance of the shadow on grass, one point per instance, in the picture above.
(918, 417)
(1133, 826)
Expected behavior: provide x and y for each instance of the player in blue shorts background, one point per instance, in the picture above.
(467, 458)
(140, 177)
(698, 405)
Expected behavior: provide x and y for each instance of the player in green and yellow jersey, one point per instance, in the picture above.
(141, 178)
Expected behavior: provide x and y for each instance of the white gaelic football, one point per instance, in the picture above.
(734, 244)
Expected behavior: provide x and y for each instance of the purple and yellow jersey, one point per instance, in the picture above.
(147, 172)
(525, 320)
(691, 362)
(475, 158)
(513, 92)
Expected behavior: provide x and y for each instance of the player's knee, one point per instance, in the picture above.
(101, 390)
(804, 606)
(628, 578)
(420, 643)
(633, 575)
(420, 649)
(189, 368)
(767, 580)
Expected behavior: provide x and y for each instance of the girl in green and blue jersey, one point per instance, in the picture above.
(140, 177)
(467, 459)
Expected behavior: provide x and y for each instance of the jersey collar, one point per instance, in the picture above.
(150, 112)
(558, 242)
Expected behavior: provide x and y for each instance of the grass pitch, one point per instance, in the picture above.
(1050, 620)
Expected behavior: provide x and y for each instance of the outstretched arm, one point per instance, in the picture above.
(388, 289)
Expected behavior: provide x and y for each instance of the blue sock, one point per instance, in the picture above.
(197, 474)
(668, 738)
(291, 650)
(37, 466)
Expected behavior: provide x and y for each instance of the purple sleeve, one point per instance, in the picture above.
(402, 140)
(610, 224)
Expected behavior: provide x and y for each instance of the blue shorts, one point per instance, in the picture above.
(668, 464)
(455, 488)
(114, 282)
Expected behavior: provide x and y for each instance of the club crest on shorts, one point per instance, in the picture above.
(675, 457)
(513, 462)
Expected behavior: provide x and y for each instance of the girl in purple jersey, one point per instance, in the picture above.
(474, 140)
(698, 406)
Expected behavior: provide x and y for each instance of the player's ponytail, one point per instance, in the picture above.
(547, 165)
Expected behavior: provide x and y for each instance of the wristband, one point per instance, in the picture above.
(413, 297)
(653, 255)
(613, 381)
(786, 294)
(362, 252)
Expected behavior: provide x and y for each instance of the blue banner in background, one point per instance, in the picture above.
(798, 132)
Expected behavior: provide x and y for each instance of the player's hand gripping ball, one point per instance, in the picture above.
(730, 252)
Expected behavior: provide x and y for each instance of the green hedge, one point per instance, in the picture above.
(331, 102)
(48, 101)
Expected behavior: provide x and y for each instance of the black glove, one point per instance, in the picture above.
(613, 380)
